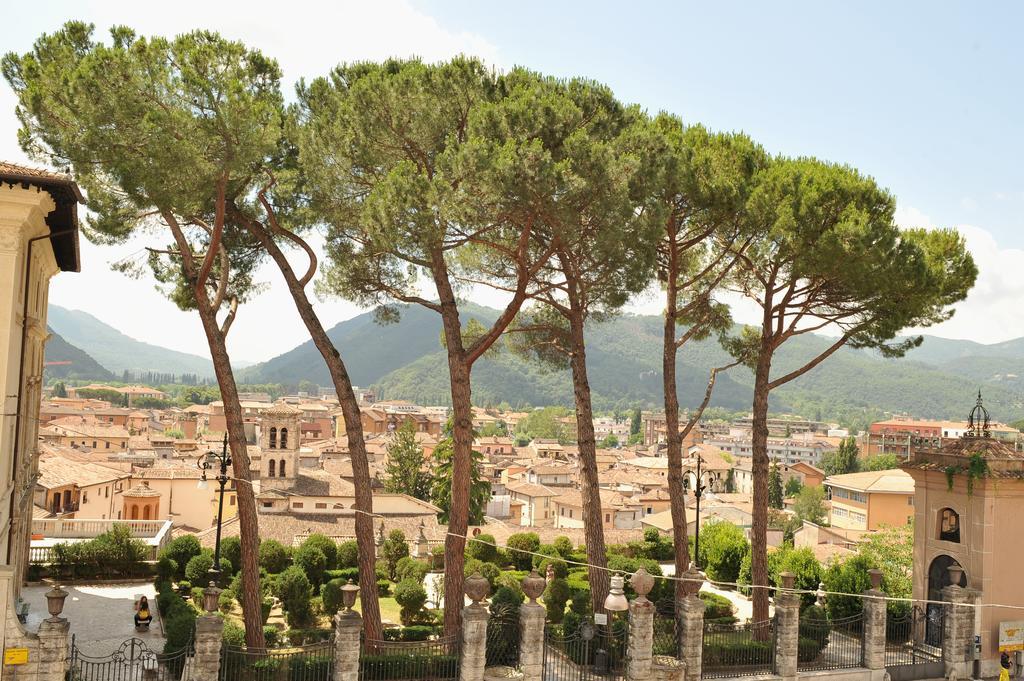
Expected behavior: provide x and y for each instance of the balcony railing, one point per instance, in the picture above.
(156, 534)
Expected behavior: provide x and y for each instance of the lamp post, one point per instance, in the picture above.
(697, 492)
(205, 464)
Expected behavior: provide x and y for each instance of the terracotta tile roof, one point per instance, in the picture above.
(528, 489)
(58, 471)
(893, 481)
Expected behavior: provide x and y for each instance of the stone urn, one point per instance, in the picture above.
(533, 586)
(477, 588)
(642, 582)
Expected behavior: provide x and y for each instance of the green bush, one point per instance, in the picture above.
(563, 545)
(271, 635)
(437, 557)
(722, 548)
(849, 576)
(411, 568)
(326, 545)
(715, 606)
(815, 626)
(393, 550)
(198, 568)
(409, 666)
(112, 554)
(523, 541)
(344, 574)
(313, 562)
(416, 632)
(556, 595)
(411, 597)
(511, 580)
(182, 550)
(226, 601)
(178, 619)
(348, 554)
(233, 634)
(166, 568)
(294, 591)
(483, 547)
(331, 595)
(383, 587)
(274, 556)
(231, 549)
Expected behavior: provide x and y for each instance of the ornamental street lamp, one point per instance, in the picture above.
(698, 491)
(222, 460)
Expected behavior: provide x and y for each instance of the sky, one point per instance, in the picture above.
(923, 96)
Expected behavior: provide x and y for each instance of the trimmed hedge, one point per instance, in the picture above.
(386, 667)
(414, 632)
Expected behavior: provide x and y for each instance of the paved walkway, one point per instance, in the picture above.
(101, 615)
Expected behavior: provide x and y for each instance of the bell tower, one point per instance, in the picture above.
(279, 444)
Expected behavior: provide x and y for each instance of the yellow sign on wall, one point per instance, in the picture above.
(15, 656)
(1011, 636)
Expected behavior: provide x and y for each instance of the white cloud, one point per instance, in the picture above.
(991, 311)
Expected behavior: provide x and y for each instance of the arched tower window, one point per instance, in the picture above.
(949, 525)
(145, 512)
(270, 468)
(273, 440)
(135, 512)
(281, 468)
(284, 438)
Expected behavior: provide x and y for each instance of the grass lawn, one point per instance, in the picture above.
(389, 610)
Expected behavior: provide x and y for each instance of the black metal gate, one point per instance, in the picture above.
(589, 652)
(132, 661)
(913, 643)
(299, 663)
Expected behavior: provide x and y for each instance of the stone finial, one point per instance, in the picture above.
(533, 585)
(956, 573)
(477, 588)
(55, 603)
(788, 579)
(692, 581)
(876, 579)
(642, 582)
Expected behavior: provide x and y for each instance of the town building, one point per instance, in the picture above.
(871, 499)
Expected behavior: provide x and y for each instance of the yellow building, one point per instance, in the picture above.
(38, 239)
(869, 500)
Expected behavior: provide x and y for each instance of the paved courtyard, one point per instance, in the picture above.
(101, 615)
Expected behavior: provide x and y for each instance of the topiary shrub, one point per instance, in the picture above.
(410, 568)
(348, 555)
(274, 556)
(182, 550)
(563, 545)
(326, 545)
(715, 606)
(518, 545)
(197, 570)
(294, 591)
(556, 595)
(233, 635)
(383, 587)
(483, 547)
(411, 597)
(166, 569)
(393, 550)
(313, 562)
(231, 550)
(331, 596)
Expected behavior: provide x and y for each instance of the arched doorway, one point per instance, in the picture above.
(938, 579)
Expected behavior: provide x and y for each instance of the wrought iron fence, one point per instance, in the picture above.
(503, 637)
(586, 652)
(913, 635)
(436, 660)
(299, 663)
(831, 644)
(666, 636)
(132, 661)
(738, 649)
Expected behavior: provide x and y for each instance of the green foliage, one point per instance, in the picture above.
(802, 563)
(404, 472)
(610, 442)
(166, 568)
(546, 424)
(809, 504)
(722, 547)
(793, 487)
(274, 557)
(231, 550)
(880, 462)
(393, 550)
(114, 553)
(483, 547)
(563, 545)
(716, 607)
(411, 597)
(232, 634)
(841, 460)
(635, 422)
(59, 390)
(348, 554)
(182, 549)
(441, 485)
(312, 561)
(178, 619)
(775, 497)
(411, 568)
(326, 545)
(331, 596)
(295, 591)
(851, 577)
(523, 541)
(556, 595)
(198, 568)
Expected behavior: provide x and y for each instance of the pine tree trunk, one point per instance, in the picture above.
(370, 606)
(593, 529)
(462, 453)
(676, 490)
(248, 525)
(759, 473)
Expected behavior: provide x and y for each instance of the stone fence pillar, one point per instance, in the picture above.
(531, 629)
(874, 623)
(474, 630)
(208, 638)
(640, 646)
(347, 627)
(787, 629)
(47, 649)
(53, 650)
(958, 628)
(690, 625)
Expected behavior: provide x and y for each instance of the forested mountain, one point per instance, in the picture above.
(405, 360)
(117, 352)
(80, 365)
